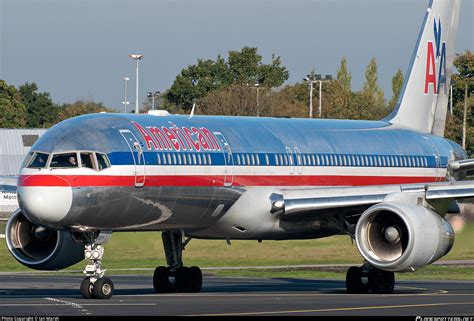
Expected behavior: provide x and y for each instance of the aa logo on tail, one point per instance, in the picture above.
(431, 61)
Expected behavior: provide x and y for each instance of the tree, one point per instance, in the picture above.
(344, 76)
(397, 84)
(42, 112)
(371, 90)
(242, 67)
(464, 63)
(195, 81)
(12, 110)
(81, 107)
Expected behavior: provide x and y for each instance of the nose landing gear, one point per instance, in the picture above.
(95, 285)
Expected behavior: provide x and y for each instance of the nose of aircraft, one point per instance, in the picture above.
(44, 200)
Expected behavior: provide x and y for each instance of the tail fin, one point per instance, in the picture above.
(424, 98)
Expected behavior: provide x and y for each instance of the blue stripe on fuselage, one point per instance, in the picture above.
(279, 159)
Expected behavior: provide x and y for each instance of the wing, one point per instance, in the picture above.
(304, 202)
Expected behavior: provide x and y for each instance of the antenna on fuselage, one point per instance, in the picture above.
(192, 111)
(194, 82)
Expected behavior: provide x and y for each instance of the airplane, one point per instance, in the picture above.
(387, 184)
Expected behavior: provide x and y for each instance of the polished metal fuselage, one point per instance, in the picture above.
(234, 202)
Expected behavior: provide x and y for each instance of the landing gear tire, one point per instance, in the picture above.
(86, 288)
(196, 278)
(381, 282)
(188, 279)
(354, 284)
(103, 288)
(183, 280)
(161, 282)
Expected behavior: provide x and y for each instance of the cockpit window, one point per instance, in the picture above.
(87, 160)
(102, 161)
(66, 160)
(38, 160)
(27, 159)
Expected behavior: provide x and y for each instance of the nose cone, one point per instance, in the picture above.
(44, 200)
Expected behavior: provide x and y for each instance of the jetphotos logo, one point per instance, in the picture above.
(435, 77)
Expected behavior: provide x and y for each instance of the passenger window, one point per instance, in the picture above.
(253, 159)
(204, 160)
(164, 159)
(102, 161)
(267, 160)
(179, 159)
(87, 160)
(66, 160)
(39, 160)
(158, 159)
(276, 160)
(209, 160)
(194, 159)
(184, 159)
(174, 159)
(257, 158)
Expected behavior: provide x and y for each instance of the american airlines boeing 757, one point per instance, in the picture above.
(387, 184)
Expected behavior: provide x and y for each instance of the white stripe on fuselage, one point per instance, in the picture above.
(209, 170)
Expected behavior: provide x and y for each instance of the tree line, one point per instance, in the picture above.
(242, 85)
(26, 107)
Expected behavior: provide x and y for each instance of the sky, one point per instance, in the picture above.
(78, 49)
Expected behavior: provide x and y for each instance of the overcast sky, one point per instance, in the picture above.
(78, 48)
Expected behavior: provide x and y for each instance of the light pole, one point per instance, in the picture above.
(137, 58)
(152, 96)
(125, 102)
(311, 80)
(257, 86)
(464, 118)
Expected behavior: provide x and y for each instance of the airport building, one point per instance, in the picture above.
(14, 145)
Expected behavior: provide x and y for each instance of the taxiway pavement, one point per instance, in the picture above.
(58, 295)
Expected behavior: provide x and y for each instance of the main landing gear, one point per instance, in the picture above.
(367, 279)
(95, 285)
(176, 277)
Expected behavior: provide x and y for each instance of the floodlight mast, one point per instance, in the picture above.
(125, 102)
(137, 58)
(311, 79)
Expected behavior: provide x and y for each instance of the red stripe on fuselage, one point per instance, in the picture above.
(203, 180)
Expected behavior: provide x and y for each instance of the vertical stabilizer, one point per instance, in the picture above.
(423, 101)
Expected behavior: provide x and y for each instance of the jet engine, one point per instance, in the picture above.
(397, 237)
(41, 248)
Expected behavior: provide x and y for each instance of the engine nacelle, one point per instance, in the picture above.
(40, 248)
(397, 237)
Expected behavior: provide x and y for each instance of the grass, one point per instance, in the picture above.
(145, 250)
